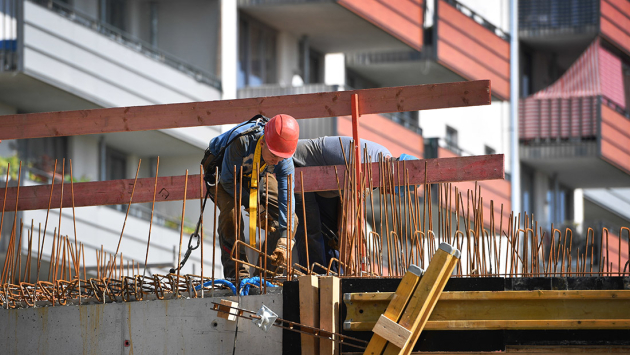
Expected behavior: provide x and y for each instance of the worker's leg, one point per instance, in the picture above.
(329, 216)
(227, 232)
(314, 232)
(274, 233)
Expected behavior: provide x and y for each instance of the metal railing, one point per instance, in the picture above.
(36, 176)
(478, 18)
(277, 90)
(8, 35)
(159, 219)
(545, 17)
(129, 41)
(559, 119)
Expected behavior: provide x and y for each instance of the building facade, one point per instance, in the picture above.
(60, 55)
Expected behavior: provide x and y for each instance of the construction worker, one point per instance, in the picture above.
(322, 207)
(268, 146)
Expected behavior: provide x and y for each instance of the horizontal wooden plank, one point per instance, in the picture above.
(210, 113)
(501, 295)
(538, 309)
(171, 188)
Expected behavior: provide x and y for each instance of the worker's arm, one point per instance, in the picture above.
(282, 171)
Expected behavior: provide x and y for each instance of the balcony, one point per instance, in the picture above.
(575, 23)
(66, 60)
(585, 140)
(344, 25)
(460, 45)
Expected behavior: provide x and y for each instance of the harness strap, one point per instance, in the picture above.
(253, 192)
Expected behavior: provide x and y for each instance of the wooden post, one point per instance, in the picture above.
(309, 312)
(329, 306)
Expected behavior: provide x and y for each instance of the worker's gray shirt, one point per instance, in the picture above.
(325, 151)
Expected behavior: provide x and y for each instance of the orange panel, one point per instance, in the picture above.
(490, 58)
(384, 131)
(615, 136)
(462, 64)
(471, 50)
(401, 19)
(615, 155)
(615, 22)
(616, 120)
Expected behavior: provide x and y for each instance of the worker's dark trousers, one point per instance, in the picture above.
(227, 229)
(321, 218)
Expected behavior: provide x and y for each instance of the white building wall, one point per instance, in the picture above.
(99, 69)
(84, 152)
(477, 126)
(497, 12)
(335, 69)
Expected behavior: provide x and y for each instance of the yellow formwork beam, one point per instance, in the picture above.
(479, 310)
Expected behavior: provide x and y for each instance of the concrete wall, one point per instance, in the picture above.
(177, 326)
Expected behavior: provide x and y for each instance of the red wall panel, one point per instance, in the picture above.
(615, 22)
(384, 131)
(471, 50)
(615, 138)
(402, 19)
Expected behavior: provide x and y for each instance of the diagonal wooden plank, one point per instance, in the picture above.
(210, 113)
(318, 178)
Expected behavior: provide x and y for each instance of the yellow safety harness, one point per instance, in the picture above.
(253, 192)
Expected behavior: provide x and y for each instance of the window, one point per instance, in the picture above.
(311, 70)
(489, 150)
(116, 164)
(113, 12)
(256, 53)
(451, 139)
(357, 82)
(41, 153)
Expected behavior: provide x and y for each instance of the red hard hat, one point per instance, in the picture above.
(281, 135)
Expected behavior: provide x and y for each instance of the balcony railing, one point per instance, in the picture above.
(129, 41)
(544, 17)
(8, 35)
(277, 90)
(478, 18)
(559, 119)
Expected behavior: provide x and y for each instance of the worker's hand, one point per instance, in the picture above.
(281, 254)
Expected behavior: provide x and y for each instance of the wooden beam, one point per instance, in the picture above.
(211, 113)
(318, 178)
(483, 310)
